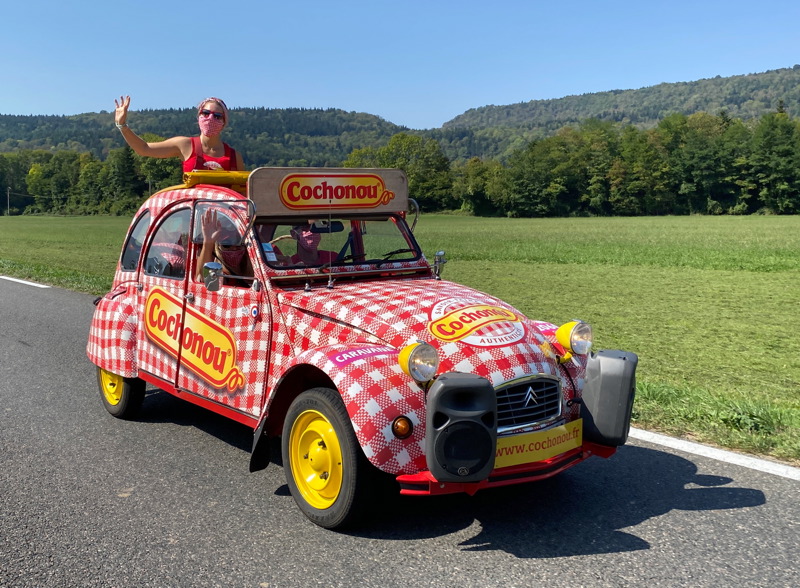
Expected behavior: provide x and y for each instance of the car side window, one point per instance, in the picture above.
(166, 255)
(133, 246)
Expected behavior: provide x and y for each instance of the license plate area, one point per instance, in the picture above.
(539, 445)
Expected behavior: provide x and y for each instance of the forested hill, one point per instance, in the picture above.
(287, 136)
(744, 96)
(325, 137)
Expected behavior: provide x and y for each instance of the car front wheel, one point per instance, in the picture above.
(325, 468)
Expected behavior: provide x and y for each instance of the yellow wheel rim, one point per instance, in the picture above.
(316, 459)
(111, 386)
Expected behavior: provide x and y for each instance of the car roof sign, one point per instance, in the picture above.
(288, 191)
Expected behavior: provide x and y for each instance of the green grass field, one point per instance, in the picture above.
(710, 304)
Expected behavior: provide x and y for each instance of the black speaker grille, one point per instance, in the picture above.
(464, 446)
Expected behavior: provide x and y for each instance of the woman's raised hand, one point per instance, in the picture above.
(121, 112)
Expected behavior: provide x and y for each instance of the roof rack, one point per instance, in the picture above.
(234, 179)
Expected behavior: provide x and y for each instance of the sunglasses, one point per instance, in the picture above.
(206, 113)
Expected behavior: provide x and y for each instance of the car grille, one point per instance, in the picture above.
(528, 402)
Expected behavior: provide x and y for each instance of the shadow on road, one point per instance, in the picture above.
(161, 407)
(579, 512)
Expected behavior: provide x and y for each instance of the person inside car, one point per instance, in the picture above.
(308, 252)
(206, 152)
(223, 243)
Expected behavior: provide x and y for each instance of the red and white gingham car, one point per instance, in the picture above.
(297, 301)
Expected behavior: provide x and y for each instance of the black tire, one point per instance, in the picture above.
(122, 397)
(326, 471)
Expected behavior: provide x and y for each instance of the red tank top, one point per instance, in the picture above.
(200, 161)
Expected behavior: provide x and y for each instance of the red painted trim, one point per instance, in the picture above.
(604, 451)
(424, 484)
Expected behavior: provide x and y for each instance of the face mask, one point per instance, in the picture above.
(307, 240)
(210, 126)
(232, 257)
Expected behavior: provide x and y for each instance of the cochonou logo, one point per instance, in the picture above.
(309, 191)
(204, 346)
(475, 322)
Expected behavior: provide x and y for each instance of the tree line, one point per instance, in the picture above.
(697, 164)
(322, 137)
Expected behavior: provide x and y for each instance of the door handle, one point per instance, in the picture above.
(189, 297)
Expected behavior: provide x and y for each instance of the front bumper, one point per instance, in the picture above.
(465, 454)
(424, 484)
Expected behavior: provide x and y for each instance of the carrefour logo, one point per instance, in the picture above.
(475, 322)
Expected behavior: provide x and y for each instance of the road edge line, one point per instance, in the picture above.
(24, 282)
(753, 463)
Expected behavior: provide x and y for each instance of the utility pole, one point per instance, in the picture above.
(8, 201)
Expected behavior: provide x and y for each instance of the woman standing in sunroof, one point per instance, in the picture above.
(204, 152)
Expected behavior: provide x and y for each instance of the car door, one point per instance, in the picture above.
(161, 296)
(226, 334)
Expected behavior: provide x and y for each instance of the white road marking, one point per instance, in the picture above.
(746, 461)
(24, 282)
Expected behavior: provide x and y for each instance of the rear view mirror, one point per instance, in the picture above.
(325, 226)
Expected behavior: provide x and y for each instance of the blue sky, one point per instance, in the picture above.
(414, 63)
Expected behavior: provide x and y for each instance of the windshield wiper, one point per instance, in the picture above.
(386, 256)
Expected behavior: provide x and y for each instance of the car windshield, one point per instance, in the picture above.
(316, 243)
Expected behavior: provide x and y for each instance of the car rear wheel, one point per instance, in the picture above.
(122, 397)
(325, 468)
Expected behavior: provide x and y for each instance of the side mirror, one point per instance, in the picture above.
(212, 272)
(438, 264)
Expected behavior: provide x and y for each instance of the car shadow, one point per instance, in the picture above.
(162, 407)
(582, 511)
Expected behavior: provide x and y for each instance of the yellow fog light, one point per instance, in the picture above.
(402, 427)
(419, 360)
(575, 337)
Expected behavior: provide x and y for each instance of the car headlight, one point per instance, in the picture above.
(575, 337)
(419, 360)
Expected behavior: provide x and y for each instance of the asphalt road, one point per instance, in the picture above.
(167, 500)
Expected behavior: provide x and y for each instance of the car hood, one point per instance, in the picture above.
(473, 331)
